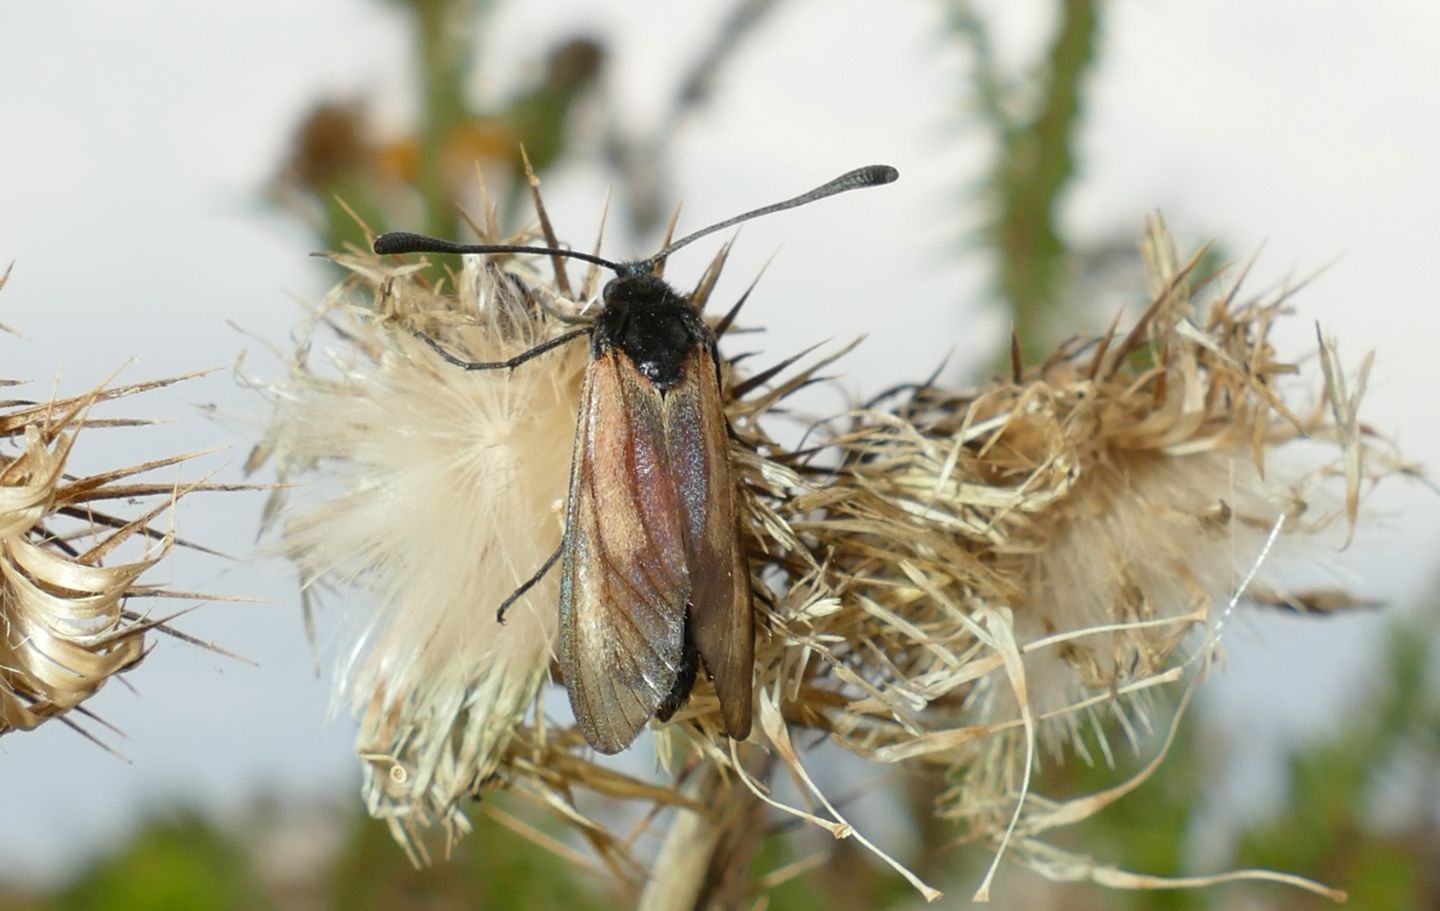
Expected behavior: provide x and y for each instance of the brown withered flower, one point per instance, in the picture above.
(960, 581)
(73, 556)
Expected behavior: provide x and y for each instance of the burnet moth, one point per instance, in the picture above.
(654, 579)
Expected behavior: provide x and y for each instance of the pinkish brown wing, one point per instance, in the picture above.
(721, 615)
(624, 582)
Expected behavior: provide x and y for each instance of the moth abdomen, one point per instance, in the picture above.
(684, 678)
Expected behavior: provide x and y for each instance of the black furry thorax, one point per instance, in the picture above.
(653, 324)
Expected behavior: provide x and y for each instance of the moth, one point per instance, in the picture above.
(653, 576)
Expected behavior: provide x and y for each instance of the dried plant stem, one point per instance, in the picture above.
(705, 859)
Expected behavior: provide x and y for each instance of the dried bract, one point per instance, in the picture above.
(65, 612)
(949, 579)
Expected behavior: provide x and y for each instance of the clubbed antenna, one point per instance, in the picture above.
(869, 176)
(407, 242)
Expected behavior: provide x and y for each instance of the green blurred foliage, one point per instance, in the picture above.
(491, 868)
(848, 880)
(1326, 830)
(184, 862)
(178, 862)
(1034, 125)
(1145, 832)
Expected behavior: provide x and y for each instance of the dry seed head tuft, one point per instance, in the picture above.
(952, 581)
(444, 494)
(67, 624)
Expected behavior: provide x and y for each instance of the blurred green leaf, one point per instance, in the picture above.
(177, 863)
(491, 868)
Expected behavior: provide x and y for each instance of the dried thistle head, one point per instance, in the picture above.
(948, 582)
(444, 494)
(67, 625)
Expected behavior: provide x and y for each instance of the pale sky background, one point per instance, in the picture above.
(136, 139)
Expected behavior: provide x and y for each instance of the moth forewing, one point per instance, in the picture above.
(721, 618)
(624, 581)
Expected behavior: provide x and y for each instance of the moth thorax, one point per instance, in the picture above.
(641, 288)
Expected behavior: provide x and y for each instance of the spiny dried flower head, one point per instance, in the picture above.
(952, 579)
(447, 494)
(66, 621)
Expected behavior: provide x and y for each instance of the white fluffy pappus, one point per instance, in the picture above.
(1149, 546)
(443, 490)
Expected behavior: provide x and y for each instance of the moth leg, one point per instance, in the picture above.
(533, 300)
(528, 584)
(566, 318)
(510, 364)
